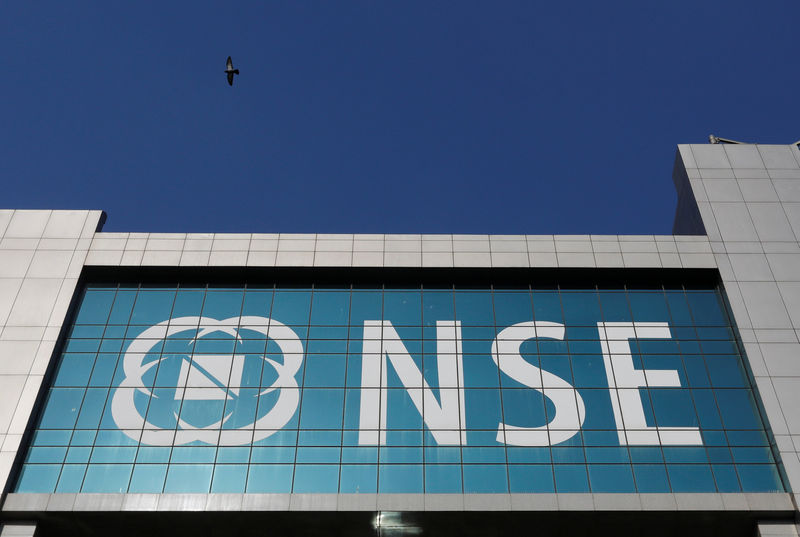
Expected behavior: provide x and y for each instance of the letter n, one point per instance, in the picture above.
(446, 421)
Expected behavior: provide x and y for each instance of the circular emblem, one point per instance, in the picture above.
(207, 378)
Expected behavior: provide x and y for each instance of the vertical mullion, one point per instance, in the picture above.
(258, 401)
(302, 387)
(344, 386)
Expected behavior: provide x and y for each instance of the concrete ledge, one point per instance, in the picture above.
(712, 502)
(140, 502)
(61, 502)
(769, 502)
(487, 502)
(313, 502)
(575, 502)
(357, 502)
(534, 502)
(26, 502)
(617, 502)
(401, 502)
(658, 502)
(777, 529)
(699, 502)
(444, 502)
(18, 530)
(224, 502)
(265, 502)
(182, 502)
(97, 502)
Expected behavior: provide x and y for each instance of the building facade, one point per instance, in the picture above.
(206, 384)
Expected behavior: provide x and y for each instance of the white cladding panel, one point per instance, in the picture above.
(746, 195)
(41, 257)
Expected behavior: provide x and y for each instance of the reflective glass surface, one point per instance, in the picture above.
(399, 390)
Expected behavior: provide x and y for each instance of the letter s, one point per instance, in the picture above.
(570, 410)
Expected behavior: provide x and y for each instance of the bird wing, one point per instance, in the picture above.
(229, 64)
(230, 79)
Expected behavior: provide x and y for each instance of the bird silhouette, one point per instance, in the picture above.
(230, 71)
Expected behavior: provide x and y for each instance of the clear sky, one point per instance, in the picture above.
(383, 117)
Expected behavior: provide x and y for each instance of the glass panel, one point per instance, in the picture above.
(71, 478)
(148, 478)
(223, 304)
(95, 306)
(38, 478)
(443, 478)
(484, 478)
(152, 306)
(330, 308)
(610, 477)
(474, 308)
(271, 478)
(318, 478)
(188, 478)
(528, 478)
(690, 477)
(359, 478)
(400, 478)
(403, 308)
(437, 306)
(651, 478)
(291, 307)
(581, 308)
(257, 302)
(571, 478)
(107, 478)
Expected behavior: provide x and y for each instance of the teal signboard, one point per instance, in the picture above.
(400, 390)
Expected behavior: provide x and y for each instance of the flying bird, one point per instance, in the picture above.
(230, 71)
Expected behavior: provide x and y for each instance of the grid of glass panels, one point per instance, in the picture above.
(79, 447)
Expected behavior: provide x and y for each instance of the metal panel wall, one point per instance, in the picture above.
(748, 197)
(41, 257)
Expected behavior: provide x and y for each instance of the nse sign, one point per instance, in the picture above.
(217, 379)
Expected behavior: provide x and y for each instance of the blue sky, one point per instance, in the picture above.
(383, 117)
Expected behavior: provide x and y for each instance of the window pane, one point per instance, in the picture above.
(531, 478)
(359, 478)
(95, 306)
(442, 478)
(611, 478)
(38, 478)
(107, 478)
(272, 478)
(690, 477)
(318, 478)
(148, 478)
(571, 478)
(188, 478)
(152, 306)
(400, 478)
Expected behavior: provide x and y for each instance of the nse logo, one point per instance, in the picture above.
(210, 378)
